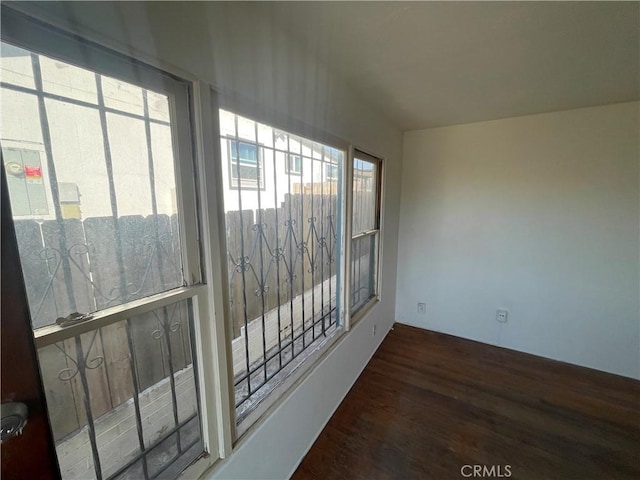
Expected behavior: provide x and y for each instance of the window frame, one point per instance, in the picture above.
(236, 182)
(42, 38)
(201, 178)
(376, 232)
(280, 123)
(287, 166)
(330, 167)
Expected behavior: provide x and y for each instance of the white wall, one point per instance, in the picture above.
(536, 214)
(239, 51)
(77, 138)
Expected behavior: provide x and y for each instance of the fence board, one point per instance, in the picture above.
(148, 351)
(175, 313)
(64, 420)
(101, 240)
(137, 240)
(96, 378)
(35, 272)
(271, 265)
(235, 276)
(117, 362)
(71, 294)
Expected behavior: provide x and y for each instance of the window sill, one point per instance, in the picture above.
(364, 310)
(287, 385)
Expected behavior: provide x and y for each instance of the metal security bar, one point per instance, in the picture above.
(363, 269)
(281, 222)
(155, 443)
(115, 364)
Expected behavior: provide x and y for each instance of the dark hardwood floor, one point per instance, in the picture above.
(428, 404)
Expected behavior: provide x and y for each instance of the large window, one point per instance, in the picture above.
(365, 230)
(91, 161)
(283, 256)
(97, 150)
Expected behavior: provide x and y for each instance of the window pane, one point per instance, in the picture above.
(158, 106)
(122, 96)
(134, 374)
(60, 78)
(364, 260)
(282, 252)
(92, 192)
(246, 169)
(364, 249)
(294, 164)
(130, 163)
(248, 153)
(365, 196)
(331, 172)
(15, 67)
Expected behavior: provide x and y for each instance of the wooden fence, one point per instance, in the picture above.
(92, 281)
(274, 255)
(286, 251)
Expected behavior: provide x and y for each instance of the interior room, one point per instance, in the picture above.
(270, 240)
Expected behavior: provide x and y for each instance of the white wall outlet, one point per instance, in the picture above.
(501, 315)
(422, 308)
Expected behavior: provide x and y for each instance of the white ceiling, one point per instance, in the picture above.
(431, 64)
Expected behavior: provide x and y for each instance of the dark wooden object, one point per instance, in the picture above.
(32, 454)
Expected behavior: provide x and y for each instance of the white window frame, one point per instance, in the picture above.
(253, 420)
(23, 31)
(356, 152)
(291, 161)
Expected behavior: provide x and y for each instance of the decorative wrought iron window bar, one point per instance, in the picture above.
(130, 303)
(282, 258)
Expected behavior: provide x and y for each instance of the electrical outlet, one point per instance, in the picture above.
(501, 315)
(373, 331)
(422, 308)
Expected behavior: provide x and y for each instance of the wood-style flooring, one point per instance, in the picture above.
(427, 404)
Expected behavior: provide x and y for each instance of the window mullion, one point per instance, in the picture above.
(53, 333)
(213, 335)
(367, 233)
(185, 186)
(347, 245)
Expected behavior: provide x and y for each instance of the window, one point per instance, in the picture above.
(283, 256)
(93, 174)
(365, 230)
(331, 172)
(102, 186)
(294, 165)
(246, 168)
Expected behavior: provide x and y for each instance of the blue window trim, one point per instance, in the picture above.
(246, 161)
